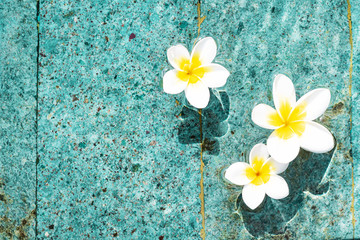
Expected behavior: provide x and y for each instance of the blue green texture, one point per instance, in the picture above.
(355, 131)
(92, 147)
(18, 73)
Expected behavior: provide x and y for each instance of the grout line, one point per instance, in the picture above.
(352, 208)
(200, 19)
(202, 165)
(37, 115)
(202, 194)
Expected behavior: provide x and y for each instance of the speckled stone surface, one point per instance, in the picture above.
(119, 158)
(18, 42)
(308, 41)
(110, 163)
(355, 133)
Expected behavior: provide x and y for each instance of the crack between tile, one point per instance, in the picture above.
(202, 194)
(352, 208)
(200, 19)
(37, 115)
(202, 165)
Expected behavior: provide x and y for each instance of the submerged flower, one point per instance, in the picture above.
(194, 73)
(259, 177)
(292, 121)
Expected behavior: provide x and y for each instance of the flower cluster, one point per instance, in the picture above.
(292, 121)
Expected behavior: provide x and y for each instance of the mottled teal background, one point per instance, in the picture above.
(92, 148)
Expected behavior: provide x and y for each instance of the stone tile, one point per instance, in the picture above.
(110, 161)
(18, 54)
(308, 41)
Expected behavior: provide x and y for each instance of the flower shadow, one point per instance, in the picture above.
(305, 173)
(213, 119)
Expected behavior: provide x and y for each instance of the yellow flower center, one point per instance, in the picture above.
(258, 172)
(289, 121)
(191, 70)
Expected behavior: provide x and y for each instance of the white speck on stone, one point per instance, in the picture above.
(333, 71)
(167, 211)
(357, 39)
(153, 202)
(238, 47)
(93, 137)
(336, 41)
(49, 116)
(295, 34)
(256, 6)
(75, 19)
(242, 3)
(47, 234)
(284, 17)
(266, 22)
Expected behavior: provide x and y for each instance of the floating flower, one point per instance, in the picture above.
(292, 121)
(194, 73)
(259, 177)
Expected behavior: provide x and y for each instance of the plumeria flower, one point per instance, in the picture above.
(292, 121)
(194, 73)
(259, 177)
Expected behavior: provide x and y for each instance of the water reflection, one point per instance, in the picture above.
(214, 123)
(303, 174)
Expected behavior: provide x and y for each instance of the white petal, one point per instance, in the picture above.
(253, 195)
(236, 173)
(205, 49)
(317, 101)
(316, 138)
(276, 187)
(283, 151)
(260, 151)
(276, 166)
(215, 75)
(177, 53)
(260, 115)
(283, 90)
(172, 84)
(197, 94)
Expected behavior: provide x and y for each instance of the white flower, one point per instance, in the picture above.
(259, 177)
(292, 121)
(194, 73)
